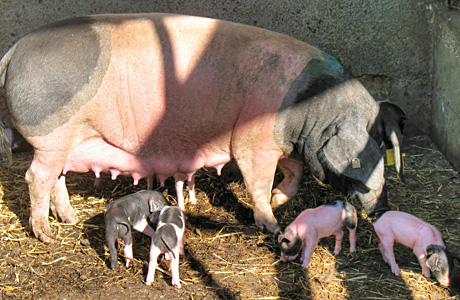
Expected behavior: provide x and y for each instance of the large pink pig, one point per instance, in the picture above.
(161, 94)
(423, 238)
(313, 224)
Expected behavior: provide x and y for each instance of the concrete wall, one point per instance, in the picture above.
(445, 130)
(385, 43)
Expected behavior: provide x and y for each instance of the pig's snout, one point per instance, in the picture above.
(445, 282)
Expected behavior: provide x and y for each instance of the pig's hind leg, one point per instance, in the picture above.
(153, 261)
(42, 178)
(175, 269)
(60, 204)
(128, 239)
(386, 247)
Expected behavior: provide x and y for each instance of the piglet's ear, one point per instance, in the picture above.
(281, 237)
(355, 154)
(432, 262)
(153, 205)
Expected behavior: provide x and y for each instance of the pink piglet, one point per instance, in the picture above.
(425, 240)
(313, 224)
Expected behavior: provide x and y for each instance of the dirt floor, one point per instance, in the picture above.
(226, 256)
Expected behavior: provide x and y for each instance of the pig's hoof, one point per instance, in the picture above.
(176, 284)
(129, 262)
(267, 221)
(148, 282)
(42, 230)
(396, 272)
(270, 226)
(278, 199)
(69, 217)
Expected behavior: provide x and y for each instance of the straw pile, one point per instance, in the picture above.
(226, 256)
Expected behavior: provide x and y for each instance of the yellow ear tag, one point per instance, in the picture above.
(390, 157)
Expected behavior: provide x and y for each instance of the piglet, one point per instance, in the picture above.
(168, 239)
(126, 212)
(313, 224)
(423, 238)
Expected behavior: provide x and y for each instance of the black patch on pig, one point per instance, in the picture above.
(172, 215)
(291, 248)
(49, 67)
(350, 215)
(165, 238)
(303, 123)
(439, 261)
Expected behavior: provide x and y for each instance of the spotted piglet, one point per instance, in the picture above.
(126, 212)
(168, 239)
(313, 224)
(425, 240)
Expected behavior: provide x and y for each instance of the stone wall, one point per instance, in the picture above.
(445, 130)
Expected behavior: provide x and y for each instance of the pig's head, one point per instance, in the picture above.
(353, 164)
(157, 202)
(290, 244)
(441, 263)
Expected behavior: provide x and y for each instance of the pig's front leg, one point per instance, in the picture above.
(144, 227)
(352, 239)
(338, 242)
(258, 170)
(191, 190)
(180, 178)
(308, 252)
(422, 260)
(292, 171)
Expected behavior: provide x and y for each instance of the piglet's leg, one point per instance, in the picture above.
(386, 247)
(422, 260)
(128, 250)
(308, 252)
(175, 270)
(144, 227)
(338, 241)
(153, 257)
(352, 239)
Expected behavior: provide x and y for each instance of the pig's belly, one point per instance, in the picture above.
(100, 157)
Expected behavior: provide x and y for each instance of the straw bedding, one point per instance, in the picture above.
(226, 256)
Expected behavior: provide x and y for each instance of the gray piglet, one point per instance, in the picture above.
(168, 239)
(126, 212)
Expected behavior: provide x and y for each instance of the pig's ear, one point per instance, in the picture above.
(393, 119)
(153, 205)
(353, 153)
(432, 262)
